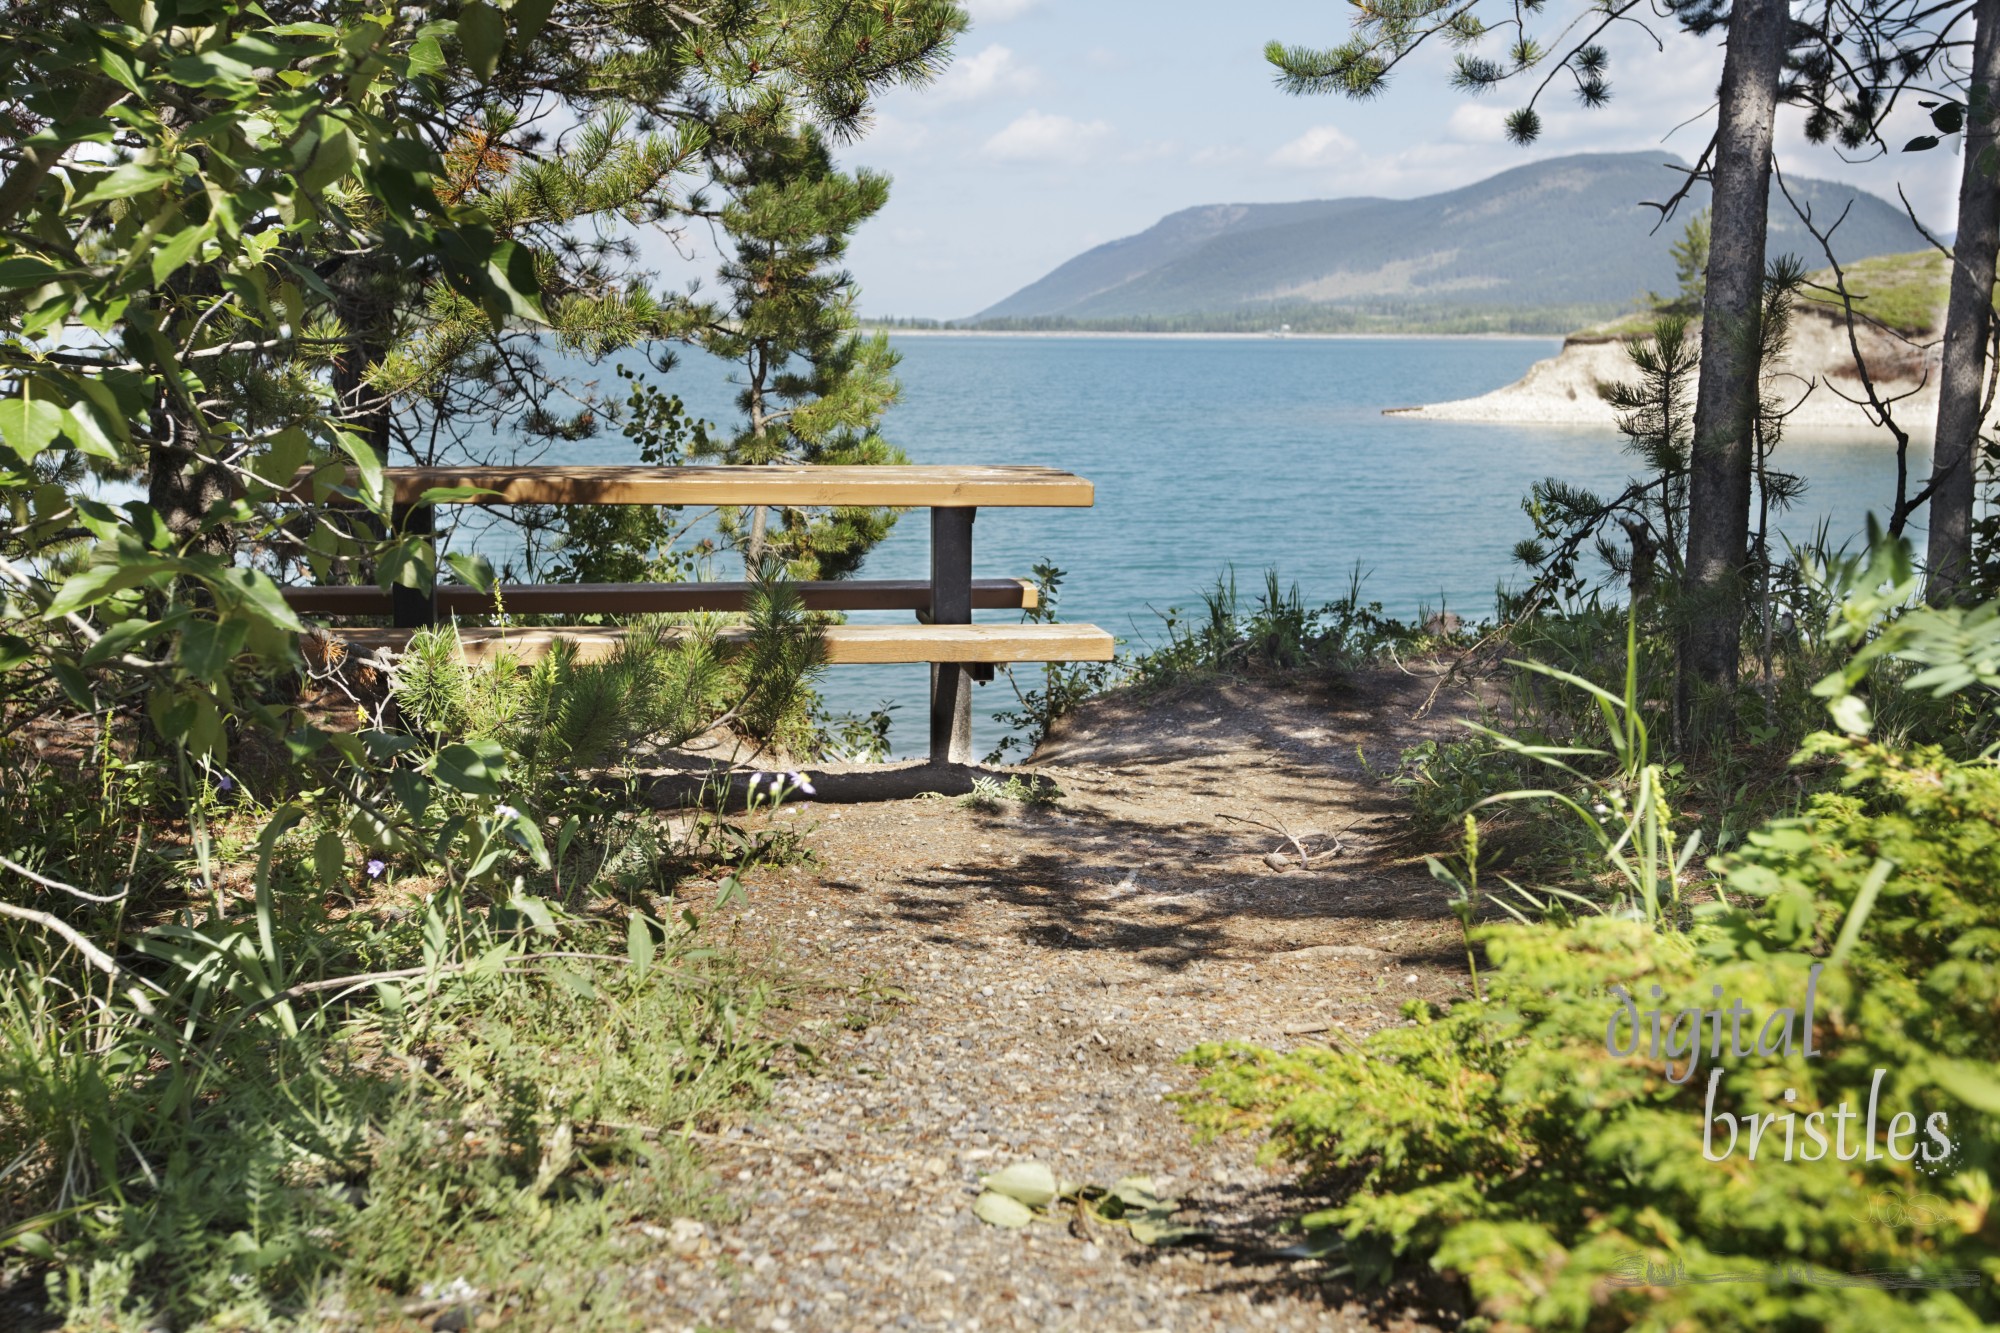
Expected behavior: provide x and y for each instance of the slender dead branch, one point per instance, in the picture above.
(1881, 410)
(61, 887)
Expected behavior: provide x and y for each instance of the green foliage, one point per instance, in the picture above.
(669, 680)
(629, 543)
(1690, 254)
(1956, 650)
(661, 685)
(1065, 685)
(851, 738)
(784, 654)
(813, 390)
(328, 1170)
(1503, 1141)
(1655, 413)
(1656, 416)
(1277, 634)
(232, 253)
(653, 103)
(1385, 35)
(988, 793)
(1519, 1143)
(1628, 815)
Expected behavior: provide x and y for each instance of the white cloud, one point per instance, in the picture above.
(1153, 150)
(999, 11)
(1320, 146)
(1035, 137)
(895, 134)
(1472, 123)
(991, 72)
(1217, 155)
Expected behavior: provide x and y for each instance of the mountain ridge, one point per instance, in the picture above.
(1564, 236)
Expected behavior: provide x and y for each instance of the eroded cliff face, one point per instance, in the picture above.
(1818, 374)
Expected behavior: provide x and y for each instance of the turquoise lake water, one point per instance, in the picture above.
(1256, 452)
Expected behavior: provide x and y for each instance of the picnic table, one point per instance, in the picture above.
(958, 651)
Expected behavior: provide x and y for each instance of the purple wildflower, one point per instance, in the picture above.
(376, 866)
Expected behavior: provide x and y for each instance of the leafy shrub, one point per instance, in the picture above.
(1065, 685)
(1505, 1143)
(988, 794)
(851, 738)
(1278, 633)
(668, 680)
(1444, 779)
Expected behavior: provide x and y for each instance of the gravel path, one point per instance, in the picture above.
(1016, 984)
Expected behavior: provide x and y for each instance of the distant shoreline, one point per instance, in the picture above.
(1242, 337)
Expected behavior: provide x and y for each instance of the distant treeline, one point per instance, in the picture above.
(1383, 318)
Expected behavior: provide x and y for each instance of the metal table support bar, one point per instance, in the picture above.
(951, 604)
(412, 608)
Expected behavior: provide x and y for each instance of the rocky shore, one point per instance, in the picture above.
(1815, 374)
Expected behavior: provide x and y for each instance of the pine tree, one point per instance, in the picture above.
(1775, 53)
(813, 389)
(656, 98)
(1690, 254)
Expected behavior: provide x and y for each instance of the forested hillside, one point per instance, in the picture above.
(1544, 247)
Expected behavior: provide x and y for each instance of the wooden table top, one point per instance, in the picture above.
(905, 486)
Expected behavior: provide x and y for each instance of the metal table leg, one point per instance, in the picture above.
(412, 608)
(951, 604)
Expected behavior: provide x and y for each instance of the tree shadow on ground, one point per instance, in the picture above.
(1259, 1252)
(1186, 896)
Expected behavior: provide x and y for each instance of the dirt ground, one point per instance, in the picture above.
(1015, 984)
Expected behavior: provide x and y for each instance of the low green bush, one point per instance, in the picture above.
(504, 1127)
(1278, 632)
(1506, 1142)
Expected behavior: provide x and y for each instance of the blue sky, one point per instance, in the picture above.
(1065, 123)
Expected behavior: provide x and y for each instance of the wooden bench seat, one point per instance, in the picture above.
(633, 599)
(966, 644)
(904, 486)
(958, 651)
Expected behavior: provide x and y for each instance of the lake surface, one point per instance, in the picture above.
(1257, 452)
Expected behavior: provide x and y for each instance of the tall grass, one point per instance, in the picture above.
(303, 1038)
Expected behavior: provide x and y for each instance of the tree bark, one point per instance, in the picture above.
(760, 422)
(365, 305)
(1968, 321)
(1726, 397)
(182, 484)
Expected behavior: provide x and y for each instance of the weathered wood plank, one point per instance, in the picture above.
(904, 486)
(845, 644)
(632, 599)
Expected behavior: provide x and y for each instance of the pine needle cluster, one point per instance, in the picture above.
(812, 388)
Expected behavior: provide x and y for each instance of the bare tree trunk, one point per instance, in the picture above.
(184, 482)
(753, 554)
(760, 421)
(1726, 397)
(366, 308)
(1968, 320)
(364, 305)
(183, 485)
